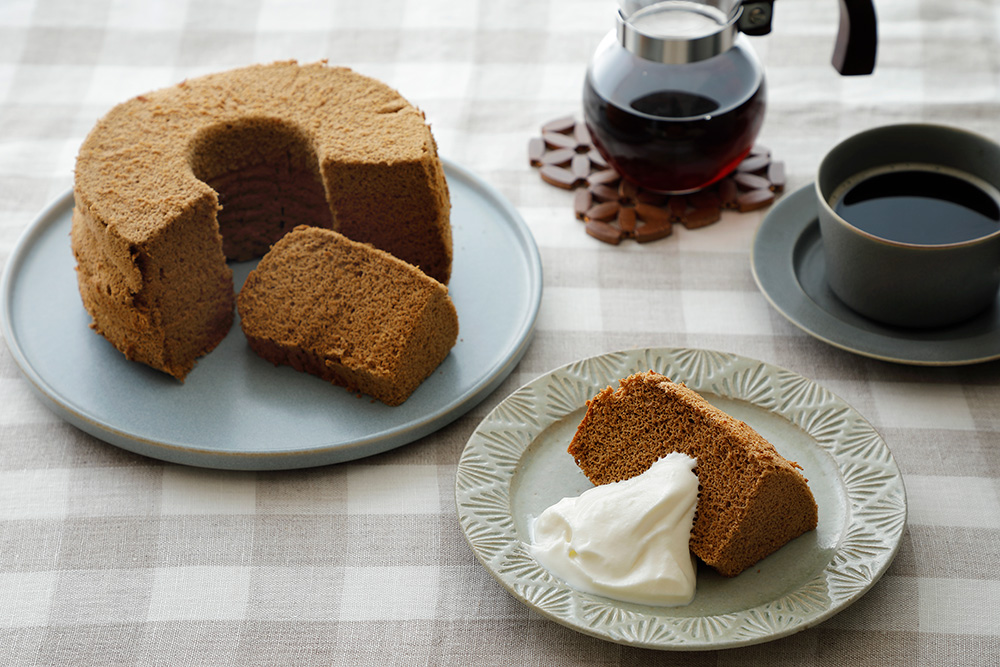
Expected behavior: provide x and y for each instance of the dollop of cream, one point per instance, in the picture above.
(626, 540)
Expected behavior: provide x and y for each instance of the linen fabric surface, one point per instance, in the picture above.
(110, 558)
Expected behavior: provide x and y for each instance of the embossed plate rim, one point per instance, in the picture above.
(872, 486)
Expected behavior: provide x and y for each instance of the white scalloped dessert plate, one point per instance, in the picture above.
(515, 465)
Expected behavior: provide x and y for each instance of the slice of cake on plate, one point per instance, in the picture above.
(347, 312)
(752, 501)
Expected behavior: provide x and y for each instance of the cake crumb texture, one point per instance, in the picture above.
(171, 184)
(752, 501)
(347, 312)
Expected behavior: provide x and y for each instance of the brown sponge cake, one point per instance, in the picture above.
(172, 183)
(347, 312)
(751, 500)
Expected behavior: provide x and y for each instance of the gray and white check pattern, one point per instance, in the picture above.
(109, 558)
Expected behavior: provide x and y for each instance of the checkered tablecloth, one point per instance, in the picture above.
(109, 558)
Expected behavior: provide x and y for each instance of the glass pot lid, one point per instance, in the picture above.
(682, 31)
(685, 31)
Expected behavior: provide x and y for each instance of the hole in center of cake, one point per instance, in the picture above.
(266, 175)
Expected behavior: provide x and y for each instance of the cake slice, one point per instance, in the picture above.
(751, 500)
(348, 313)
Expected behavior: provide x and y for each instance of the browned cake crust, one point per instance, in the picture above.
(171, 183)
(347, 312)
(751, 500)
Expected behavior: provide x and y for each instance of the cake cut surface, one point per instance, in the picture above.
(348, 313)
(171, 184)
(752, 501)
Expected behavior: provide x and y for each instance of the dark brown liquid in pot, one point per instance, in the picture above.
(674, 128)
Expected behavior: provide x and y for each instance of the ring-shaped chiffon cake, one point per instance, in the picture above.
(171, 184)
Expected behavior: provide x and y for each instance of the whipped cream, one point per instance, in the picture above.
(626, 540)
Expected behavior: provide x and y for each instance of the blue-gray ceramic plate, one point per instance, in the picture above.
(788, 265)
(237, 411)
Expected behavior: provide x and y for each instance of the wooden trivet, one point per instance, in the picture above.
(614, 209)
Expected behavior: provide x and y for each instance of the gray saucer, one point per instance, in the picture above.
(788, 265)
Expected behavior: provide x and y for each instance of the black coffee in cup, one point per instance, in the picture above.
(917, 204)
(910, 220)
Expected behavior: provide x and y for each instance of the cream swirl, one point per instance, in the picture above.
(626, 540)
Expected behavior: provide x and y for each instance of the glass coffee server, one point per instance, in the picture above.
(675, 96)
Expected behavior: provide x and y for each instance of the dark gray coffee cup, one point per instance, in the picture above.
(905, 284)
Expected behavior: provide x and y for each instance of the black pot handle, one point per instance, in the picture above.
(857, 39)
